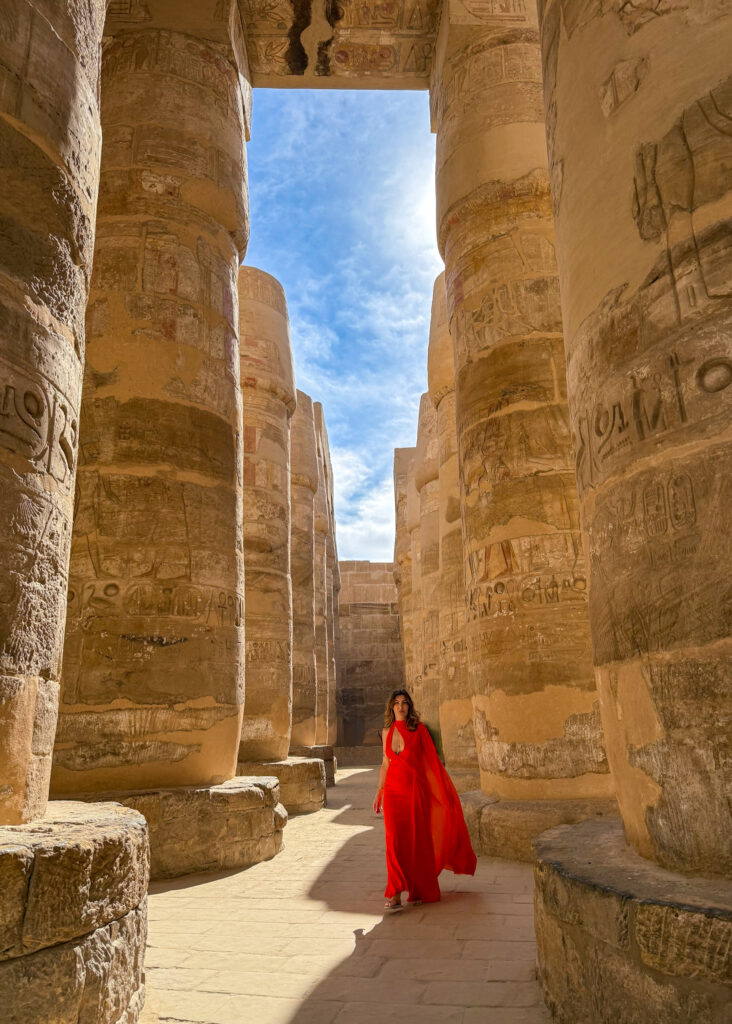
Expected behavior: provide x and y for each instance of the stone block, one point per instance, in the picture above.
(210, 828)
(324, 753)
(621, 939)
(301, 780)
(368, 754)
(74, 913)
(506, 828)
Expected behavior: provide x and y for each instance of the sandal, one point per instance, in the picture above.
(393, 905)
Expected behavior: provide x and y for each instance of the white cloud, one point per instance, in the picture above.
(364, 509)
(343, 213)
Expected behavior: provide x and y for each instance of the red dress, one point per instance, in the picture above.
(423, 820)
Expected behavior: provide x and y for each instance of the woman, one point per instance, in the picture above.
(423, 819)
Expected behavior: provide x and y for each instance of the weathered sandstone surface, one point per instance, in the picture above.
(153, 662)
(73, 915)
(622, 939)
(303, 486)
(301, 780)
(370, 658)
(455, 697)
(536, 709)
(268, 401)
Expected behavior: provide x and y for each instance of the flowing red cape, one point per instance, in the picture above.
(423, 819)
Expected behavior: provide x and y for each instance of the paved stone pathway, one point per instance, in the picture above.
(301, 939)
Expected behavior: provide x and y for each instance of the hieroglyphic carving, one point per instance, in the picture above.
(657, 402)
(624, 81)
(577, 751)
(661, 522)
(349, 40)
(39, 423)
(691, 166)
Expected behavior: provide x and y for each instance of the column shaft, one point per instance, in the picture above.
(303, 485)
(268, 399)
(456, 705)
(537, 717)
(645, 248)
(153, 672)
(49, 161)
(321, 598)
(415, 661)
(403, 558)
(426, 479)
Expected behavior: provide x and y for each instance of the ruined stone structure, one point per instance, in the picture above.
(153, 667)
(427, 484)
(73, 911)
(561, 553)
(414, 661)
(649, 368)
(268, 401)
(287, 722)
(303, 486)
(536, 710)
(455, 703)
(370, 662)
(403, 457)
(329, 727)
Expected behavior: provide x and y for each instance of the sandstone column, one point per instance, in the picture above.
(322, 526)
(456, 706)
(414, 661)
(537, 717)
(649, 370)
(333, 614)
(645, 256)
(303, 485)
(332, 576)
(68, 920)
(49, 120)
(427, 483)
(153, 669)
(268, 398)
(403, 557)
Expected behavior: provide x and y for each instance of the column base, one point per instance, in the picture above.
(302, 781)
(208, 828)
(358, 757)
(325, 754)
(73, 915)
(464, 781)
(623, 941)
(506, 828)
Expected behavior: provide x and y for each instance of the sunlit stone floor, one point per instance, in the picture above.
(301, 939)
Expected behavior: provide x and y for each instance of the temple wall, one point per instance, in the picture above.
(370, 661)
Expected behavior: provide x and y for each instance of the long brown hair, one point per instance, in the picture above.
(389, 717)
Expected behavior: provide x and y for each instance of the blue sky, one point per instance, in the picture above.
(341, 189)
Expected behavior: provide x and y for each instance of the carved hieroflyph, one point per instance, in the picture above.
(268, 401)
(649, 369)
(154, 656)
(536, 714)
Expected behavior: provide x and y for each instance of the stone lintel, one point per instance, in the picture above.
(301, 780)
(73, 915)
(507, 828)
(621, 939)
